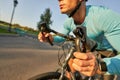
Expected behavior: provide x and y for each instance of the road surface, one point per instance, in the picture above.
(24, 57)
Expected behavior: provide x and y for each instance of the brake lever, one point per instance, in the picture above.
(44, 28)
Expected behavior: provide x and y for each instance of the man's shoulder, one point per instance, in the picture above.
(93, 10)
(96, 8)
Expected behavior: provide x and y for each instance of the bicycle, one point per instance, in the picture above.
(79, 42)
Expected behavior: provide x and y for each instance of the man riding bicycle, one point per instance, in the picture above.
(103, 26)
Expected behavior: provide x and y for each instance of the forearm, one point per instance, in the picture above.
(113, 64)
(58, 39)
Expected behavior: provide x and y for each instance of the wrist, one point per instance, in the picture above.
(102, 67)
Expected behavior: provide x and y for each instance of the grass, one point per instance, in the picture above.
(3, 31)
(6, 31)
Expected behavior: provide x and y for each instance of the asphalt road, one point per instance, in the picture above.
(24, 57)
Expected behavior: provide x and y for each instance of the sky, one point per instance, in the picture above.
(27, 13)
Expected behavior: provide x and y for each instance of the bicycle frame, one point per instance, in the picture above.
(80, 45)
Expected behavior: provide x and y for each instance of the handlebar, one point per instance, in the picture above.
(81, 43)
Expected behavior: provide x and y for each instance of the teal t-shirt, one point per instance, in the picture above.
(103, 26)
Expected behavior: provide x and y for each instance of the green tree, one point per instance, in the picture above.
(45, 17)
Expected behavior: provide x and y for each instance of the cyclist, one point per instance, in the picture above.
(103, 26)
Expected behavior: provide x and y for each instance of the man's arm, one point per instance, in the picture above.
(113, 64)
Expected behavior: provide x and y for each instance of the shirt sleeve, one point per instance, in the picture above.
(66, 30)
(108, 22)
(111, 28)
(113, 64)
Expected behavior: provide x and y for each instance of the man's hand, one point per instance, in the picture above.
(43, 37)
(85, 63)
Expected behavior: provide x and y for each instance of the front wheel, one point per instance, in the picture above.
(48, 76)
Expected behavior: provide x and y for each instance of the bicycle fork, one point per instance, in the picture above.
(66, 66)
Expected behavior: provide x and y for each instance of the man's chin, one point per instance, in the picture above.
(64, 12)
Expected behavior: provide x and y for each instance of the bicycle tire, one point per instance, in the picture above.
(48, 76)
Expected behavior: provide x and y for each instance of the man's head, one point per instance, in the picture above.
(67, 6)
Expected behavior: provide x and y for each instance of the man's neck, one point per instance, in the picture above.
(79, 16)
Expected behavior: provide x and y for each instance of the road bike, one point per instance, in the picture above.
(78, 42)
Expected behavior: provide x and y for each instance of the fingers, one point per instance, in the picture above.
(83, 69)
(83, 55)
(88, 70)
(43, 37)
(85, 63)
